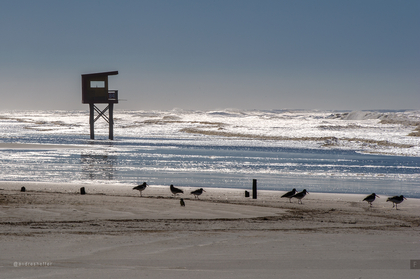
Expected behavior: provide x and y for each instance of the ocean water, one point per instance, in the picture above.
(321, 151)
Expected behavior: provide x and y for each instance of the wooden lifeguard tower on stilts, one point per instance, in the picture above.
(95, 91)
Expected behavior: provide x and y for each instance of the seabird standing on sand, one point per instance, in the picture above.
(182, 202)
(175, 190)
(370, 198)
(396, 200)
(300, 195)
(289, 194)
(141, 187)
(198, 192)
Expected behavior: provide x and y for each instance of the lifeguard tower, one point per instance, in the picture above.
(95, 91)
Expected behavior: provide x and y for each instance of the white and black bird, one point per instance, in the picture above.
(300, 195)
(198, 192)
(175, 191)
(181, 201)
(371, 198)
(289, 194)
(141, 187)
(396, 200)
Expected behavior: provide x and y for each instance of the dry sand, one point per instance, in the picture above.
(51, 231)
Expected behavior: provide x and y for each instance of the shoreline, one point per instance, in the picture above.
(268, 203)
(51, 230)
(160, 191)
(37, 146)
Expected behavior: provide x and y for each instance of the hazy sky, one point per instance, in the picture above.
(297, 54)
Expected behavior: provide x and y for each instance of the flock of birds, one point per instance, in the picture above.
(175, 191)
(371, 198)
(396, 200)
(295, 194)
(291, 194)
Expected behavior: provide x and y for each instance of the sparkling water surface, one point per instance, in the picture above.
(215, 149)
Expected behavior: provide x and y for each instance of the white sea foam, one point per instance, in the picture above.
(220, 148)
(375, 132)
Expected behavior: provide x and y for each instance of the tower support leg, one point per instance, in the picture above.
(111, 121)
(92, 120)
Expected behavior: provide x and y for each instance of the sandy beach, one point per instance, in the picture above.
(51, 231)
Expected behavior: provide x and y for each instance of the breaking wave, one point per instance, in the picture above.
(324, 150)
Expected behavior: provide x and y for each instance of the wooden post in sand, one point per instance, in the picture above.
(254, 189)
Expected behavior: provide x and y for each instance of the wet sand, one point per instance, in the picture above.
(36, 146)
(52, 231)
